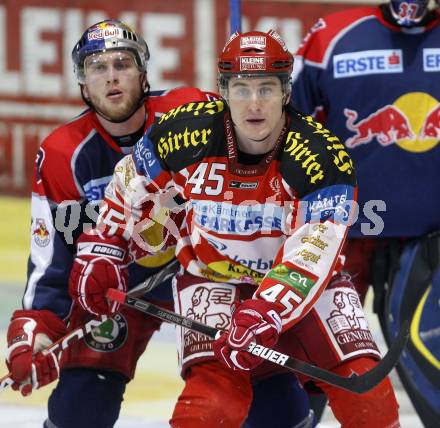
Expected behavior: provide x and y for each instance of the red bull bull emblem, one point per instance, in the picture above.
(412, 122)
(387, 125)
(41, 234)
(431, 127)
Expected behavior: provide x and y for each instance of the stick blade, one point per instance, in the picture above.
(369, 380)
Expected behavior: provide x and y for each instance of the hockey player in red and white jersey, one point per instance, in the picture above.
(74, 165)
(266, 197)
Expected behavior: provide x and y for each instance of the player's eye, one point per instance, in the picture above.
(97, 67)
(266, 92)
(240, 93)
(123, 64)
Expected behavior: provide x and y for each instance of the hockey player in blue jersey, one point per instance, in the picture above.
(73, 167)
(371, 75)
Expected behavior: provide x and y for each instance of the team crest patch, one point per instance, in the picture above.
(274, 184)
(109, 336)
(207, 306)
(40, 233)
(210, 305)
(345, 321)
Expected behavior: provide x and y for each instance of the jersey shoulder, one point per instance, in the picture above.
(65, 138)
(313, 158)
(54, 168)
(162, 101)
(188, 132)
(323, 36)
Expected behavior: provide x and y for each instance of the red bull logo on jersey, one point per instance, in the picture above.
(412, 122)
(40, 233)
(387, 125)
(431, 126)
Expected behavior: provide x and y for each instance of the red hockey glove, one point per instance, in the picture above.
(100, 264)
(253, 320)
(29, 332)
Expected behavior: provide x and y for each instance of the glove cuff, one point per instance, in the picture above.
(114, 248)
(46, 322)
(270, 311)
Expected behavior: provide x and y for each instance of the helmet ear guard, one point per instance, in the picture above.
(255, 54)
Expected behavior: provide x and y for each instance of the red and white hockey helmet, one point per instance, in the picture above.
(255, 54)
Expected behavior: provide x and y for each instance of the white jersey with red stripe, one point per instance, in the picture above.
(74, 165)
(279, 223)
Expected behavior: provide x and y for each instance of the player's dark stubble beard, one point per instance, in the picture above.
(135, 100)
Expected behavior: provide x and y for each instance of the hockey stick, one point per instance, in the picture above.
(92, 325)
(355, 383)
(235, 12)
(61, 344)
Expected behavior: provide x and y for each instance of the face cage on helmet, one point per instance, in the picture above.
(285, 78)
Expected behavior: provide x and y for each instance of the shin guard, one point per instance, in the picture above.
(377, 408)
(213, 396)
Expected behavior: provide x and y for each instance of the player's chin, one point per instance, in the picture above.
(116, 112)
(254, 132)
(259, 136)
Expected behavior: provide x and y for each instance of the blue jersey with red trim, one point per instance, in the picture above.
(377, 87)
(73, 167)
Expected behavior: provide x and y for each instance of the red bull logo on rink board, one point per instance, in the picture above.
(412, 122)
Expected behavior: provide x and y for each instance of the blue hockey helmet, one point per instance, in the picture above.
(408, 13)
(110, 34)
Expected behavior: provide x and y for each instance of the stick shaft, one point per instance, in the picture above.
(235, 15)
(356, 384)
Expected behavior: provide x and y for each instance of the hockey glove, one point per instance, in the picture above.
(100, 264)
(29, 332)
(253, 320)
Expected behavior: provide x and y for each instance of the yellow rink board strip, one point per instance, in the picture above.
(14, 242)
